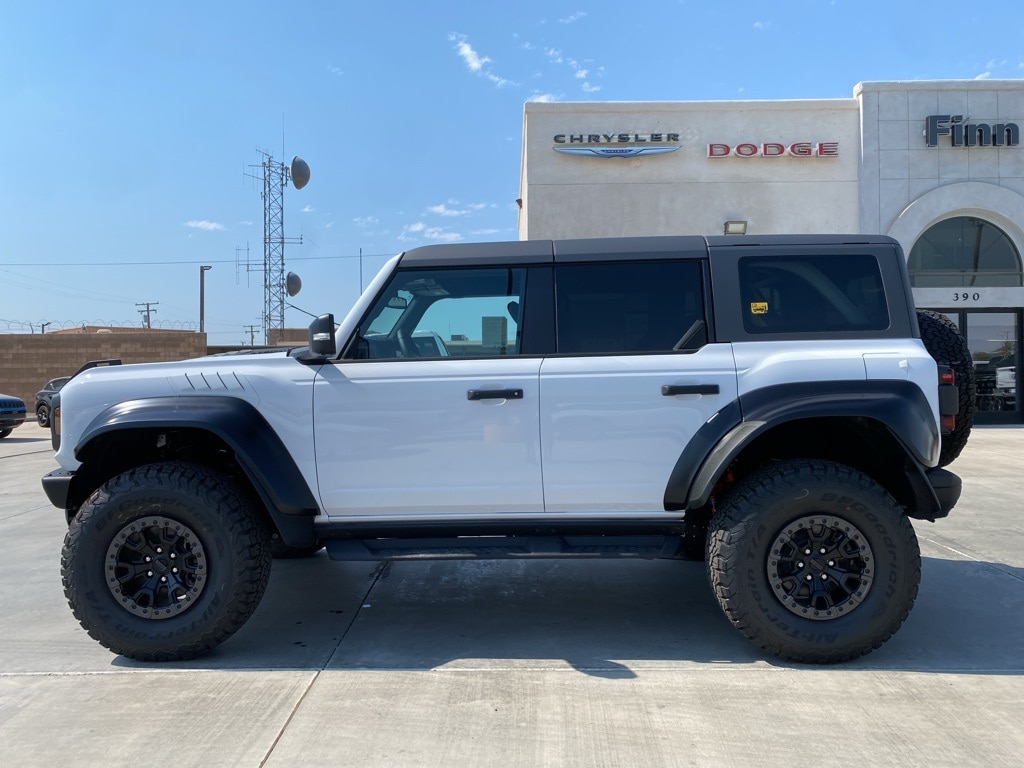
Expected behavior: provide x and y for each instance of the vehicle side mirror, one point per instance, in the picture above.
(321, 336)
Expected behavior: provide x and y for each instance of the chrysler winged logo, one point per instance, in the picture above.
(616, 151)
(616, 144)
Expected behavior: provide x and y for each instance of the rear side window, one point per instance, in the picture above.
(806, 294)
(623, 307)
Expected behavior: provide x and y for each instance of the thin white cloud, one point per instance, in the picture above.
(308, 209)
(573, 18)
(475, 62)
(547, 98)
(246, 223)
(420, 231)
(443, 209)
(208, 226)
(366, 221)
(579, 71)
(762, 24)
(983, 76)
(335, 70)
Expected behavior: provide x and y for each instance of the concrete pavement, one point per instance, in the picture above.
(521, 663)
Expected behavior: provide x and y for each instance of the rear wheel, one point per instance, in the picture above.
(5, 432)
(813, 561)
(43, 415)
(165, 561)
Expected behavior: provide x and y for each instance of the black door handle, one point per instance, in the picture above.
(689, 389)
(495, 394)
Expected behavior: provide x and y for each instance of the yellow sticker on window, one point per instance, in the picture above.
(759, 307)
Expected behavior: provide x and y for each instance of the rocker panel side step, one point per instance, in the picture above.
(505, 547)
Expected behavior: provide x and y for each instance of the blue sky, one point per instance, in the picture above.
(128, 128)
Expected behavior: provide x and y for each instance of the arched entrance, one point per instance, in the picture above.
(969, 252)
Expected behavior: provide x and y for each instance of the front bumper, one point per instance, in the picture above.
(10, 420)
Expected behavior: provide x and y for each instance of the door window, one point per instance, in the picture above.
(445, 313)
(629, 307)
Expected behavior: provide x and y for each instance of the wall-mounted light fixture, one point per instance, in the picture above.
(735, 227)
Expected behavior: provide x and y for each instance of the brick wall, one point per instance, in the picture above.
(27, 361)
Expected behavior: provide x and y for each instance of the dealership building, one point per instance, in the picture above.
(937, 165)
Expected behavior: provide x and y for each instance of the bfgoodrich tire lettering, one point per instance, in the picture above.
(850, 513)
(174, 514)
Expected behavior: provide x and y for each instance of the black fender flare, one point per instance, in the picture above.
(900, 406)
(258, 449)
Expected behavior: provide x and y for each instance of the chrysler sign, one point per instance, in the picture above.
(616, 144)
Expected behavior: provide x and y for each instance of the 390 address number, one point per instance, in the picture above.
(966, 296)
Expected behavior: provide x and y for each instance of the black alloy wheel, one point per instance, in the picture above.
(166, 561)
(813, 561)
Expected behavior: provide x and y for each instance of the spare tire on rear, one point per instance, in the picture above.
(947, 345)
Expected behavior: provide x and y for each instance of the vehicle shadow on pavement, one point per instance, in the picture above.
(608, 619)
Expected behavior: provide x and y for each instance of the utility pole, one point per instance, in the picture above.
(147, 311)
(252, 334)
(202, 297)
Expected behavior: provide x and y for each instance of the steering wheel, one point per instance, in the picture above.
(405, 344)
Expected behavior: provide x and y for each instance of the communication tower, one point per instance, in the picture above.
(274, 176)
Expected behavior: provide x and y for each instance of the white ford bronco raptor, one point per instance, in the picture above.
(771, 405)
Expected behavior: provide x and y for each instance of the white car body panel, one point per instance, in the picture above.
(767, 363)
(401, 438)
(610, 439)
(280, 387)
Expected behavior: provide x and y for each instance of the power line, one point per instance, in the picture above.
(183, 261)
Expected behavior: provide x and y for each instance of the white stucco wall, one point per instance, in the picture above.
(899, 173)
(686, 192)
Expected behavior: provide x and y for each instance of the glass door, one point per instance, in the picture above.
(994, 340)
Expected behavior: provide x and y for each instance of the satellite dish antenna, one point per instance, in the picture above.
(299, 171)
(292, 283)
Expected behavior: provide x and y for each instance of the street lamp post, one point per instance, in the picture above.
(202, 297)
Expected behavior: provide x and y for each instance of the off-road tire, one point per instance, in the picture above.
(197, 514)
(947, 345)
(43, 416)
(784, 503)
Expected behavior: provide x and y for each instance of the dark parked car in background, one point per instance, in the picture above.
(12, 414)
(44, 399)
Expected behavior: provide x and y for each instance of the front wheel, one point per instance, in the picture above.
(43, 416)
(165, 561)
(813, 561)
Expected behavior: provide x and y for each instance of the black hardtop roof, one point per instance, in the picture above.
(611, 248)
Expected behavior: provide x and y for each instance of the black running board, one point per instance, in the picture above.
(505, 547)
